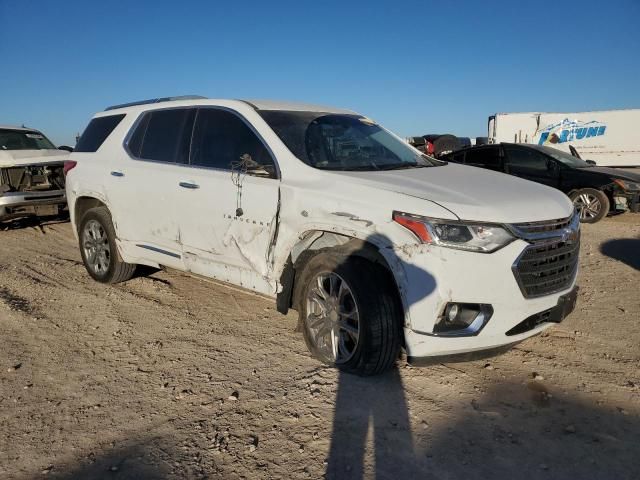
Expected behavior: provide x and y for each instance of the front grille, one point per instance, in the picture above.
(545, 268)
(542, 227)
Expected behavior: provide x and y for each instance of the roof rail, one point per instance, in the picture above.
(155, 100)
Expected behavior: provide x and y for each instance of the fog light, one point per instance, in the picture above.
(451, 312)
(462, 319)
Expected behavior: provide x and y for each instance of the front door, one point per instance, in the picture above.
(228, 201)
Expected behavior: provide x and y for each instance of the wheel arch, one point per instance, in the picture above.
(314, 242)
(84, 204)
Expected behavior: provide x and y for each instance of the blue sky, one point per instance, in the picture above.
(416, 67)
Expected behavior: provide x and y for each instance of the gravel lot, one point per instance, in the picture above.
(168, 376)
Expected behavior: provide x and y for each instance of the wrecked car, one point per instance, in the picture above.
(378, 246)
(31, 174)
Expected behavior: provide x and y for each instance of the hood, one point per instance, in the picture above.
(19, 158)
(614, 173)
(473, 193)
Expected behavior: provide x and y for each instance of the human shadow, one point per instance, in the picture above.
(378, 402)
(626, 250)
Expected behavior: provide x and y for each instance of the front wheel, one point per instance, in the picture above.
(592, 204)
(350, 315)
(98, 248)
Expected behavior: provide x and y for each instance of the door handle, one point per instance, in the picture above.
(189, 185)
(117, 174)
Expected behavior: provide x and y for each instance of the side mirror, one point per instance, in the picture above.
(574, 152)
(591, 162)
(66, 148)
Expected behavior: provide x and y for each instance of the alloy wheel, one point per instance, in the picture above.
(588, 205)
(332, 318)
(95, 244)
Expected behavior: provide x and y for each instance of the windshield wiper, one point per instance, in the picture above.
(401, 166)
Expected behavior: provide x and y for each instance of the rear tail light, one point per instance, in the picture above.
(69, 165)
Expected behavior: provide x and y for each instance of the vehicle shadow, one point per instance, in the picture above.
(626, 250)
(376, 402)
(137, 460)
(535, 431)
(33, 222)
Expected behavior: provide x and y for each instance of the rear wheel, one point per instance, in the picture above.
(98, 248)
(592, 204)
(350, 316)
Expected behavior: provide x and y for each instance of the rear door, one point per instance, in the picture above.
(485, 157)
(144, 185)
(228, 200)
(531, 164)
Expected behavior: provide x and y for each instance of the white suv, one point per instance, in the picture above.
(376, 245)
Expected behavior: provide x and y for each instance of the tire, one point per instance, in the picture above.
(592, 204)
(97, 235)
(371, 294)
(446, 144)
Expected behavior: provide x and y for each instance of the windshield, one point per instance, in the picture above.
(563, 157)
(343, 142)
(24, 140)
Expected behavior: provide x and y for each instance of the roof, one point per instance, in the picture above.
(293, 106)
(14, 127)
(188, 100)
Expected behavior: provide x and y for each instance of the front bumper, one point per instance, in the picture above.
(433, 276)
(24, 204)
(633, 201)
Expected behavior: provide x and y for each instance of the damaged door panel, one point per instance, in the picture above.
(233, 211)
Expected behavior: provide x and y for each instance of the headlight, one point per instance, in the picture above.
(475, 237)
(627, 185)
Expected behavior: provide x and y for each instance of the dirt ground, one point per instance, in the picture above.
(169, 376)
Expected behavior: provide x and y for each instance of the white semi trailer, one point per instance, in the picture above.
(610, 138)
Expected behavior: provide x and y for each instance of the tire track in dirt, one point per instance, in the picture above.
(16, 302)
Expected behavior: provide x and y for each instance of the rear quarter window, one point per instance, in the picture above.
(97, 132)
(163, 136)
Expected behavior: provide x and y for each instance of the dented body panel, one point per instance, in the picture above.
(31, 183)
(248, 235)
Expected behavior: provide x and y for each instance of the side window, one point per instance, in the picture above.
(135, 142)
(97, 132)
(164, 136)
(457, 157)
(519, 159)
(484, 157)
(220, 138)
